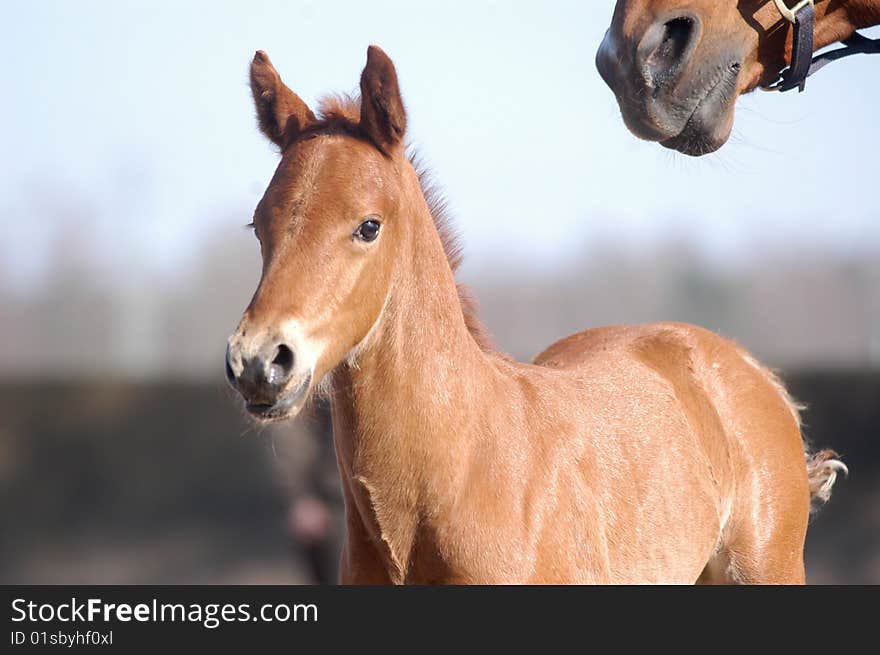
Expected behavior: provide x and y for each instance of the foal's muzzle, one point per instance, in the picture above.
(264, 375)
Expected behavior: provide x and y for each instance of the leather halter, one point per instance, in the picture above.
(803, 63)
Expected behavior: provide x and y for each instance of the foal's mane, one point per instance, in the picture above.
(340, 113)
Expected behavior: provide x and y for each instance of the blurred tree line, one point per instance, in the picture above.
(793, 308)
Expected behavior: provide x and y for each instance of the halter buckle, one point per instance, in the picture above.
(789, 13)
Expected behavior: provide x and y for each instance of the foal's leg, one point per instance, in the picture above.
(763, 539)
(752, 560)
(747, 562)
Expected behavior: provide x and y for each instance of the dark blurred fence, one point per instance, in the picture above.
(169, 483)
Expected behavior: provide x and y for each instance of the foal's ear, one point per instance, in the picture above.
(383, 118)
(280, 112)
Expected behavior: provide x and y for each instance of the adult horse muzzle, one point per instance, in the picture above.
(664, 87)
(678, 86)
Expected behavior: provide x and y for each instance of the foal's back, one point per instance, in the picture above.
(718, 448)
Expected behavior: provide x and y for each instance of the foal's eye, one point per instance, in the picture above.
(368, 230)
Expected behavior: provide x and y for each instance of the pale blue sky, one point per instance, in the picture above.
(132, 121)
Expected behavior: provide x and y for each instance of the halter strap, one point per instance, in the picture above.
(803, 64)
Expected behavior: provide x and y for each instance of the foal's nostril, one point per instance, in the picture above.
(667, 48)
(230, 375)
(283, 357)
(281, 366)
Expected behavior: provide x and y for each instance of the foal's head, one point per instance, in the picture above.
(329, 226)
(678, 66)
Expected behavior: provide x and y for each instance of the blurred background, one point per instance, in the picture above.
(130, 163)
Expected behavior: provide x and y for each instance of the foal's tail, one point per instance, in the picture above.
(822, 469)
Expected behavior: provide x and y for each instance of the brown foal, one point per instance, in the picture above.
(657, 453)
(678, 66)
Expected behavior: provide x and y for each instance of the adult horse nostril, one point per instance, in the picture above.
(677, 37)
(667, 48)
(282, 365)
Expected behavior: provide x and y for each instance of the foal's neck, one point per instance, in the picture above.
(405, 408)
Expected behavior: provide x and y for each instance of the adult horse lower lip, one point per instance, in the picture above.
(283, 406)
(700, 136)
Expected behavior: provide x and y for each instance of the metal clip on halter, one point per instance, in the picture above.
(790, 14)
